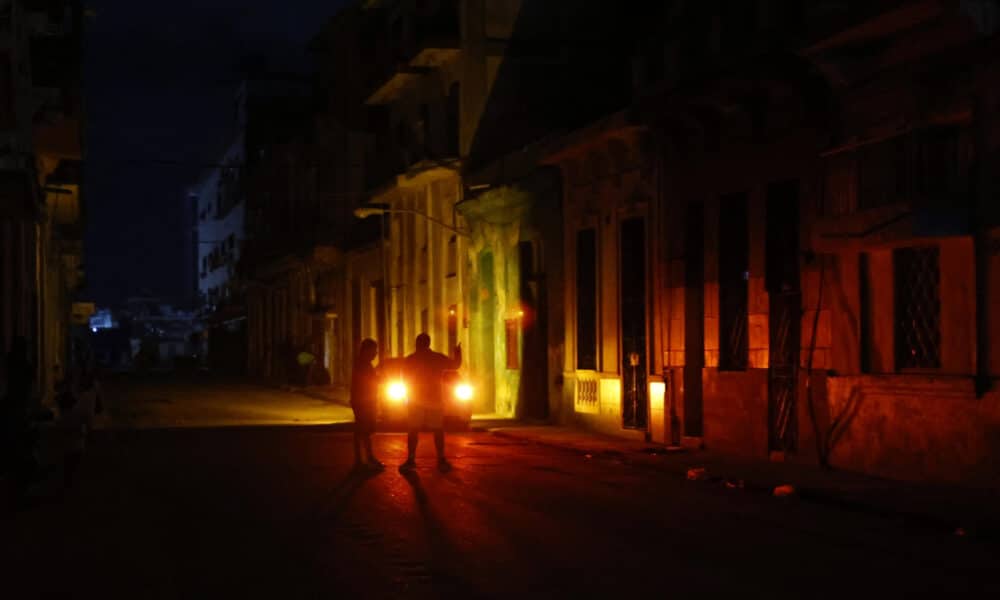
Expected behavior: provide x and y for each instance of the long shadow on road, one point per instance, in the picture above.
(443, 552)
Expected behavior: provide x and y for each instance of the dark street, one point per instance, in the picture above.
(705, 296)
(276, 512)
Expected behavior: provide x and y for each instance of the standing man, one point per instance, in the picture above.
(424, 370)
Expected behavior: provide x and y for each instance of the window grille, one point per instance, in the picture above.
(734, 255)
(918, 308)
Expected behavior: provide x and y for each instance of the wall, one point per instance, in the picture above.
(607, 176)
(915, 427)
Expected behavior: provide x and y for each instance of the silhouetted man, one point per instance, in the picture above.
(424, 370)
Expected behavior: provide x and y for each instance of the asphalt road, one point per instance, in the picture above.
(198, 400)
(276, 512)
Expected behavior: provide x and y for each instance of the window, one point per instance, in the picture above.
(940, 170)
(586, 299)
(883, 173)
(924, 166)
(867, 319)
(918, 307)
(734, 251)
(424, 260)
(452, 327)
(452, 258)
(511, 327)
(400, 342)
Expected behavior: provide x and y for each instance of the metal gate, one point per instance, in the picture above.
(633, 322)
(783, 371)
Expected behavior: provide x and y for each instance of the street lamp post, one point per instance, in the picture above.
(364, 212)
(370, 210)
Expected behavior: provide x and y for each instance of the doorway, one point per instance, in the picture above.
(632, 274)
(785, 299)
(533, 393)
(694, 318)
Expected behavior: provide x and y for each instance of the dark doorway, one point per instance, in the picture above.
(633, 321)
(782, 282)
(694, 318)
(534, 363)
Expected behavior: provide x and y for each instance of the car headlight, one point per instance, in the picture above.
(463, 391)
(396, 391)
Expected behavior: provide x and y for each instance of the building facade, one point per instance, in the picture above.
(219, 202)
(816, 234)
(41, 210)
(769, 231)
(460, 89)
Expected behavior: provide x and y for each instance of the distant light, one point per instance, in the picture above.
(520, 313)
(451, 311)
(93, 329)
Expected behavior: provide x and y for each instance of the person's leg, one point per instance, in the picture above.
(439, 443)
(357, 445)
(415, 418)
(371, 455)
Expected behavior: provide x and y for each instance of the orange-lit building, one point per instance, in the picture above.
(805, 190)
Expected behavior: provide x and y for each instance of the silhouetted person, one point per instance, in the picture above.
(424, 372)
(18, 439)
(364, 401)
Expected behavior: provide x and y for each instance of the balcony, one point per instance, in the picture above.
(418, 44)
(436, 38)
(391, 80)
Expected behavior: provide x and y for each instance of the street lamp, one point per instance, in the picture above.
(370, 210)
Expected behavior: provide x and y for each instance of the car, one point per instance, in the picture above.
(457, 394)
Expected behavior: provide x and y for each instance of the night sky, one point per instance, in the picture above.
(159, 81)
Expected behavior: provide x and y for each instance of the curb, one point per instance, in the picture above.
(986, 530)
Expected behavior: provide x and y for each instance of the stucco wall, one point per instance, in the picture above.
(916, 427)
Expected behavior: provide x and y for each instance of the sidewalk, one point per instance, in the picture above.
(949, 509)
(329, 393)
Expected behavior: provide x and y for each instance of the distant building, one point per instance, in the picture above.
(263, 102)
(104, 318)
(160, 335)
